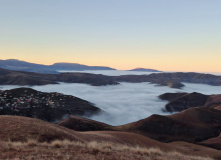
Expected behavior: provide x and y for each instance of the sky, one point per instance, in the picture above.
(168, 35)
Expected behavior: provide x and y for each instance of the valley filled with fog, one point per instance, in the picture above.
(111, 72)
(124, 103)
(125, 72)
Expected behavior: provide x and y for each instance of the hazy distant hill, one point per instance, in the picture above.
(144, 70)
(76, 66)
(14, 64)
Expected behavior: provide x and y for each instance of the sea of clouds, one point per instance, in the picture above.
(124, 72)
(112, 72)
(124, 103)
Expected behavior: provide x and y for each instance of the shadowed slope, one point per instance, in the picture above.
(8, 77)
(192, 125)
(82, 124)
(17, 128)
(187, 101)
(213, 142)
(181, 101)
(87, 78)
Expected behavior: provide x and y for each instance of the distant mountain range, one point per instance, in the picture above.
(17, 65)
(14, 64)
(144, 70)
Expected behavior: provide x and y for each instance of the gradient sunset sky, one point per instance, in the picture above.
(168, 35)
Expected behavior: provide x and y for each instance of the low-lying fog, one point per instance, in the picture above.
(112, 72)
(124, 103)
(124, 72)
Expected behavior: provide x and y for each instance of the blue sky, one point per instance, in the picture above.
(165, 35)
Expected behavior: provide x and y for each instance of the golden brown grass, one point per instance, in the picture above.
(69, 150)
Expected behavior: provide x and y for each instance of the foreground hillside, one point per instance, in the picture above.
(192, 129)
(69, 150)
(27, 138)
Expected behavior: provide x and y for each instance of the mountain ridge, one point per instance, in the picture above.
(173, 80)
(14, 64)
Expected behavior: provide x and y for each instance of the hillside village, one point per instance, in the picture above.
(31, 103)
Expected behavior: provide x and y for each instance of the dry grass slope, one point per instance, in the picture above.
(70, 150)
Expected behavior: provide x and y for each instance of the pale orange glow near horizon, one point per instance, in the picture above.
(182, 64)
(168, 36)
